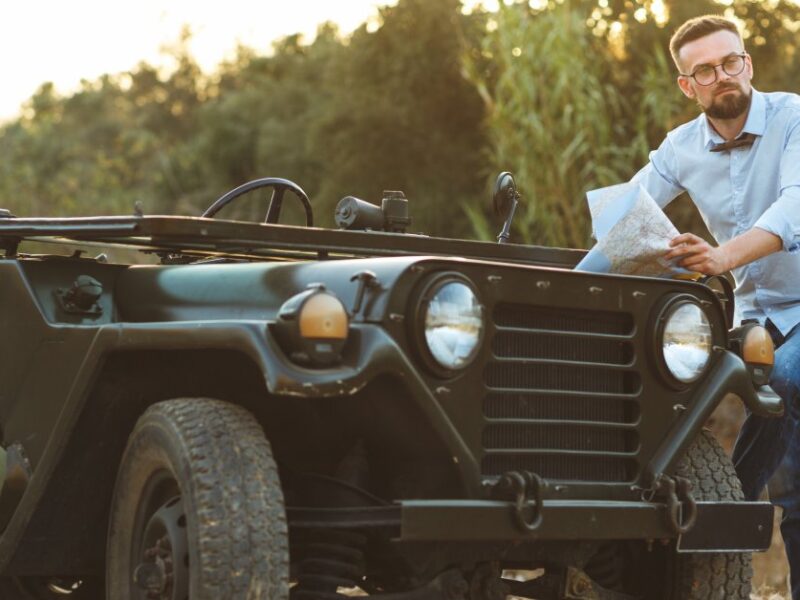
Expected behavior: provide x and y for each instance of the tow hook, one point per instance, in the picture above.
(525, 489)
(681, 505)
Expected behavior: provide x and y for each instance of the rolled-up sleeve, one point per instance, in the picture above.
(660, 176)
(782, 218)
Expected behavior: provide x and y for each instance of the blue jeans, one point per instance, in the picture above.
(764, 444)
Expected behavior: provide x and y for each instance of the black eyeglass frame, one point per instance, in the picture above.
(693, 74)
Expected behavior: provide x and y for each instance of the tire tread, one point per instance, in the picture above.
(724, 576)
(235, 492)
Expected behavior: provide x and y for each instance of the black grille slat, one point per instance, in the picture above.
(561, 394)
(516, 344)
(543, 317)
(560, 377)
(544, 436)
(605, 408)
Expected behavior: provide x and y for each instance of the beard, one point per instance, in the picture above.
(728, 106)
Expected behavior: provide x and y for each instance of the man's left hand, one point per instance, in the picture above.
(698, 255)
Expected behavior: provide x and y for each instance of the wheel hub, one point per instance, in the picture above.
(163, 573)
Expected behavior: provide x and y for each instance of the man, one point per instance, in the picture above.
(740, 163)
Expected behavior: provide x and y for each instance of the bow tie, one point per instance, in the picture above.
(745, 140)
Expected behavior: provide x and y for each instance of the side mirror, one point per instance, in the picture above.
(505, 199)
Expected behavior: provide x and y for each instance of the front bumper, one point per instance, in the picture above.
(562, 520)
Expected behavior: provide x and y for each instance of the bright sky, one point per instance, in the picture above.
(64, 42)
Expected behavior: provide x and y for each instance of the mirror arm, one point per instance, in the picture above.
(505, 234)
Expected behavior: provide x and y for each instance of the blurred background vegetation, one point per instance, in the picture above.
(436, 100)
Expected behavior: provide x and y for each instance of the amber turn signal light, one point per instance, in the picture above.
(757, 347)
(312, 327)
(753, 344)
(322, 316)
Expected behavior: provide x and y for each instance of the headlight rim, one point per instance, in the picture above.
(667, 307)
(421, 301)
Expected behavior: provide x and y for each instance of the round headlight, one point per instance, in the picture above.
(452, 324)
(686, 341)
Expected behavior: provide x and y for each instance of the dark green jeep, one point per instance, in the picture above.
(267, 412)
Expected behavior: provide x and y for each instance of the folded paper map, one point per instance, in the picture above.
(632, 234)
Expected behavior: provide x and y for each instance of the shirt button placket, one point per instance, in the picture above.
(737, 209)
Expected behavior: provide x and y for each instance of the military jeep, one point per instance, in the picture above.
(265, 411)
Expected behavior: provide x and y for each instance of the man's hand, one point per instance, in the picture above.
(698, 255)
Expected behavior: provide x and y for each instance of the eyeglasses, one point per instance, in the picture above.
(707, 74)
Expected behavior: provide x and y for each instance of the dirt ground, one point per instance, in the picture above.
(770, 570)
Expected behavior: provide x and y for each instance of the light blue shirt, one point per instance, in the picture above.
(736, 190)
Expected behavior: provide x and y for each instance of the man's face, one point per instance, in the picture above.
(729, 96)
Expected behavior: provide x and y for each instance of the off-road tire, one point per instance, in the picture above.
(656, 571)
(228, 483)
(711, 576)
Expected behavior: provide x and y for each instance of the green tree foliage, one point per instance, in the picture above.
(555, 118)
(403, 116)
(101, 149)
(567, 94)
(256, 121)
(388, 108)
(581, 90)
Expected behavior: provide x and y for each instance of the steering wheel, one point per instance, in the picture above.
(279, 187)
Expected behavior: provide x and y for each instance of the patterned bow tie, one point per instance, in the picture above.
(745, 140)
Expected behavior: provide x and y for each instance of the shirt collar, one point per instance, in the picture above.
(756, 122)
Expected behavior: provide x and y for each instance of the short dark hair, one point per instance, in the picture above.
(699, 27)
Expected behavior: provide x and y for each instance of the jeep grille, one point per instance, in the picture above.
(561, 394)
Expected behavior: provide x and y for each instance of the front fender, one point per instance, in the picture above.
(728, 375)
(372, 353)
